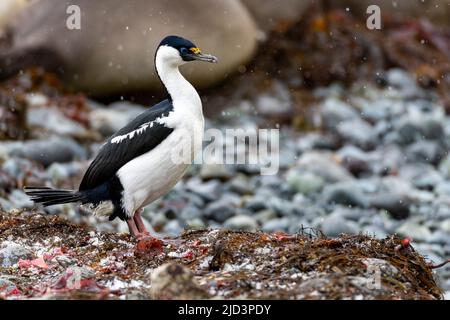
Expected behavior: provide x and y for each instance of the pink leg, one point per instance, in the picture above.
(139, 223)
(137, 227)
(133, 228)
(140, 232)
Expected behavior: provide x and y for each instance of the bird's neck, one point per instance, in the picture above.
(182, 93)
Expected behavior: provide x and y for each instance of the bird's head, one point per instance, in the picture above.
(176, 51)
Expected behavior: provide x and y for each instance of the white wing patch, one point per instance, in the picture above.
(142, 128)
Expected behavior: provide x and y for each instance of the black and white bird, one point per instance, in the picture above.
(145, 159)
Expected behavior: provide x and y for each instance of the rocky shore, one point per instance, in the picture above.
(375, 163)
(367, 158)
(49, 258)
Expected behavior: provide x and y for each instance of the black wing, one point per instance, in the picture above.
(112, 156)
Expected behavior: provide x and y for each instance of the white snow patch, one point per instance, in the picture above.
(117, 284)
(178, 255)
(245, 265)
(205, 263)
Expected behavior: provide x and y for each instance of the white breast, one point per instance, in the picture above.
(155, 173)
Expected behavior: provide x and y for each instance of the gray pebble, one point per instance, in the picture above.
(304, 182)
(439, 237)
(109, 120)
(325, 165)
(398, 205)
(334, 225)
(241, 185)
(241, 222)
(53, 120)
(256, 204)
(275, 102)
(11, 253)
(190, 212)
(281, 206)
(334, 111)
(415, 230)
(20, 199)
(219, 211)
(425, 151)
(207, 190)
(49, 151)
(265, 215)
(275, 225)
(345, 193)
(399, 78)
(173, 228)
(357, 132)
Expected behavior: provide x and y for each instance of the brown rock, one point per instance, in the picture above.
(113, 52)
(9, 9)
(173, 281)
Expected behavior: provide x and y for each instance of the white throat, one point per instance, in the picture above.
(183, 94)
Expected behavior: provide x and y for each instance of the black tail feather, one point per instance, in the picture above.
(50, 197)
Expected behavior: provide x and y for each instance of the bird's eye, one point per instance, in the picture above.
(184, 50)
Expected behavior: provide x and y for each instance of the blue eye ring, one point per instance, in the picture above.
(184, 50)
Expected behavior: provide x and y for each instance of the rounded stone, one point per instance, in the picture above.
(304, 182)
(415, 230)
(219, 211)
(275, 225)
(334, 225)
(118, 56)
(241, 222)
(11, 253)
(345, 193)
(9, 9)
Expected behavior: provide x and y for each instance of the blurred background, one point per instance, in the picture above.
(363, 112)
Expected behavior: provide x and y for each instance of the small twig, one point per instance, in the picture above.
(440, 265)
